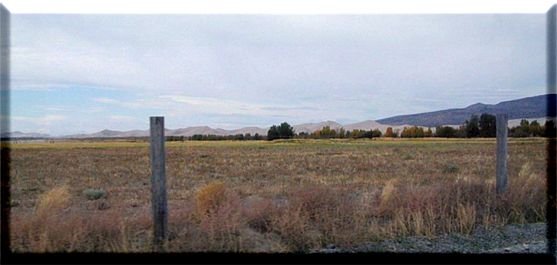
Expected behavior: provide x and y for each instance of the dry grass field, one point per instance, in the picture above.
(259, 196)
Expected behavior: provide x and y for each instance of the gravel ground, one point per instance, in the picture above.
(516, 238)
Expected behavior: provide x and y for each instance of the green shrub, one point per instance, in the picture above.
(94, 194)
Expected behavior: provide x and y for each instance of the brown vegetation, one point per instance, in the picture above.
(268, 196)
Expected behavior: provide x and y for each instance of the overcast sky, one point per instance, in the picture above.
(85, 73)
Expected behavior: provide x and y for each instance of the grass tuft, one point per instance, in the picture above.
(53, 202)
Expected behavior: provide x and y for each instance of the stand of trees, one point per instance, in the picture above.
(415, 132)
(482, 126)
(485, 126)
(328, 133)
(390, 133)
(527, 129)
(213, 137)
(446, 132)
(283, 131)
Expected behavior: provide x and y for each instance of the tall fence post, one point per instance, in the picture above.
(502, 124)
(158, 183)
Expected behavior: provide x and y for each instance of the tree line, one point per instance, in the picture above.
(485, 126)
(285, 131)
(214, 137)
(477, 126)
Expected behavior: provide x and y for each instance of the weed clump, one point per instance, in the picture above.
(210, 197)
(94, 194)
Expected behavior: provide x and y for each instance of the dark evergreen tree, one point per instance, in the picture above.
(273, 133)
(487, 125)
(285, 131)
(472, 127)
(445, 131)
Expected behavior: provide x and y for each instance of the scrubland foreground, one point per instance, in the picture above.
(258, 196)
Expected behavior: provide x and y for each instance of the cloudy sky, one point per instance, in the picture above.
(85, 73)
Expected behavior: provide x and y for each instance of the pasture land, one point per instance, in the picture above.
(259, 196)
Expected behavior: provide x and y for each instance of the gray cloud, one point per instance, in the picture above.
(336, 66)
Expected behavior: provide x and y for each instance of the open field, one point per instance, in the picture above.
(259, 196)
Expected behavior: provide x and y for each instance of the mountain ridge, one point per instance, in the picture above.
(523, 108)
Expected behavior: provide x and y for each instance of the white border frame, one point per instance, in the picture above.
(277, 6)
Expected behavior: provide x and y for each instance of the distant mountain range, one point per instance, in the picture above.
(525, 108)
(18, 134)
(204, 130)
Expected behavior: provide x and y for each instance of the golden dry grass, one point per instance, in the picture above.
(260, 196)
(210, 197)
(53, 202)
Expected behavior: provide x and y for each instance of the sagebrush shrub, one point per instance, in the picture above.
(210, 197)
(94, 194)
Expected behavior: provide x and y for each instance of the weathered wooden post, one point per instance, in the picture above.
(502, 121)
(158, 183)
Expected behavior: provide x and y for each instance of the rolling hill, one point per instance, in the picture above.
(524, 108)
